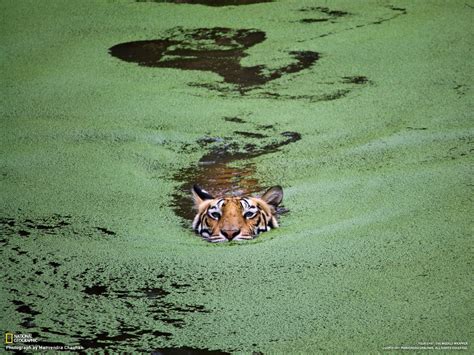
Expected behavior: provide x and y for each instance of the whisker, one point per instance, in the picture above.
(215, 239)
(243, 238)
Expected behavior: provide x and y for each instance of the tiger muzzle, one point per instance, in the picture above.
(230, 233)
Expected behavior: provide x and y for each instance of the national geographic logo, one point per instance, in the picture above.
(8, 338)
(11, 338)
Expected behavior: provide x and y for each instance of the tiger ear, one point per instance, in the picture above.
(273, 196)
(200, 195)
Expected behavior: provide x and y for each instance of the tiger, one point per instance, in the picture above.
(226, 219)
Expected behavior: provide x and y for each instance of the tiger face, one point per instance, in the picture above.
(235, 218)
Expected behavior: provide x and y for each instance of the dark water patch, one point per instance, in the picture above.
(124, 334)
(336, 15)
(10, 222)
(190, 309)
(250, 134)
(205, 141)
(158, 333)
(24, 308)
(175, 322)
(461, 89)
(234, 119)
(154, 292)
(96, 290)
(355, 80)
(326, 34)
(219, 50)
(104, 340)
(324, 10)
(219, 89)
(417, 128)
(337, 94)
(55, 266)
(184, 350)
(313, 20)
(210, 2)
(265, 126)
(173, 314)
(50, 227)
(158, 307)
(47, 225)
(30, 224)
(29, 311)
(55, 224)
(332, 13)
(276, 96)
(400, 9)
(105, 231)
(19, 251)
(216, 172)
(178, 286)
(23, 233)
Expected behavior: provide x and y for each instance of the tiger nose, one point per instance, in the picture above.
(230, 233)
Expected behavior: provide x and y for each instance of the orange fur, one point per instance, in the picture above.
(235, 218)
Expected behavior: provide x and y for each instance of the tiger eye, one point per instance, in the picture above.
(215, 215)
(249, 214)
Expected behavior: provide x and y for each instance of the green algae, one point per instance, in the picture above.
(375, 249)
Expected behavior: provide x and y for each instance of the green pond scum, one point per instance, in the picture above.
(360, 110)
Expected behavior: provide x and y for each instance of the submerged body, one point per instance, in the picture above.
(235, 218)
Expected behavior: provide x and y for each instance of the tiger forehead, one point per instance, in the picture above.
(233, 203)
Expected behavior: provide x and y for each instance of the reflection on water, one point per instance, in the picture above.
(217, 49)
(219, 175)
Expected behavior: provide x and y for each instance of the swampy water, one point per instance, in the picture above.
(361, 111)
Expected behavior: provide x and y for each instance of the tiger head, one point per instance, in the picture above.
(235, 218)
